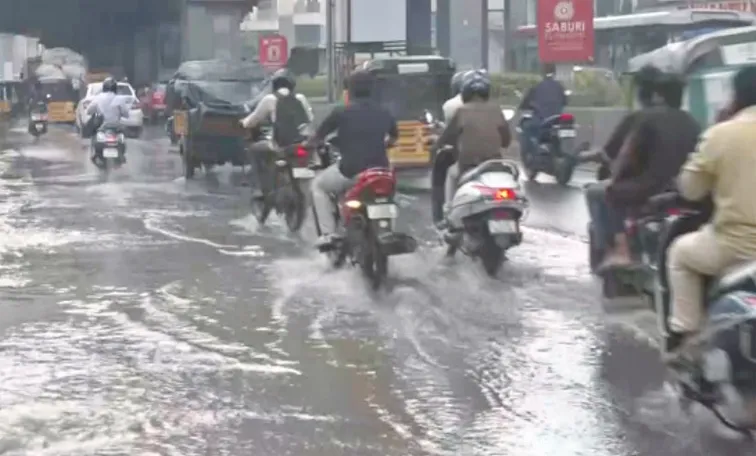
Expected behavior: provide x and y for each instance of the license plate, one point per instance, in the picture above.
(302, 173)
(382, 211)
(110, 153)
(39, 127)
(567, 133)
(502, 226)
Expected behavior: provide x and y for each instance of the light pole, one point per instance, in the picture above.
(330, 54)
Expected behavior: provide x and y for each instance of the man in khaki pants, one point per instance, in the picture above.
(724, 166)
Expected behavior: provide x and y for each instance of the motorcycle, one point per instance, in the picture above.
(38, 120)
(717, 369)
(112, 144)
(292, 176)
(485, 214)
(555, 153)
(366, 215)
(644, 232)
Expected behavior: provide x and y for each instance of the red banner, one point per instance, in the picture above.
(565, 31)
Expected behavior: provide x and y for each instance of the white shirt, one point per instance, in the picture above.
(451, 106)
(112, 107)
(266, 109)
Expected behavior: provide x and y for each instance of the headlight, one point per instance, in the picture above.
(508, 114)
(428, 117)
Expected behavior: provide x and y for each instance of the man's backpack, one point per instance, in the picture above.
(290, 115)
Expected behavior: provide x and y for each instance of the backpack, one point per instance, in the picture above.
(290, 114)
(93, 124)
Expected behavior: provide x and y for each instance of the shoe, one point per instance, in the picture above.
(324, 241)
(257, 194)
(674, 344)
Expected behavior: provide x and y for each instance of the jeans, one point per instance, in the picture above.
(329, 183)
(607, 221)
(531, 130)
(261, 158)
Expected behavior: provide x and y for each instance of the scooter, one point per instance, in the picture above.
(717, 369)
(483, 220)
(38, 120)
(112, 144)
(556, 152)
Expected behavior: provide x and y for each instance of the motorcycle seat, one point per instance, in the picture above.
(490, 166)
(740, 277)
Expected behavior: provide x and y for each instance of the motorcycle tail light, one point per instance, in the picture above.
(302, 156)
(504, 194)
(566, 118)
(383, 187)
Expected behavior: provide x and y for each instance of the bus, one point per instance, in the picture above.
(619, 38)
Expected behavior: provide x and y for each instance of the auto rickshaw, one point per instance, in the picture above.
(708, 63)
(9, 99)
(413, 89)
(62, 99)
(207, 99)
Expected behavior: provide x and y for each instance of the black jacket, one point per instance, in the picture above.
(546, 99)
(362, 128)
(659, 145)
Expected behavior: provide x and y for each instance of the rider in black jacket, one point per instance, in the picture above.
(363, 127)
(546, 99)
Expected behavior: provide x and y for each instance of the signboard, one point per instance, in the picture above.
(565, 31)
(736, 5)
(274, 51)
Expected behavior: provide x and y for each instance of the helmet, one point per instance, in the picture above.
(476, 84)
(283, 79)
(456, 82)
(109, 85)
(361, 84)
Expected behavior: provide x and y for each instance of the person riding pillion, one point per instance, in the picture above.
(452, 104)
(290, 115)
(478, 130)
(366, 130)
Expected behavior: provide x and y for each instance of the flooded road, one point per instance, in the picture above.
(145, 315)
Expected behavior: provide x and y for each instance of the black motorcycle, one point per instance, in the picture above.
(292, 175)
(556, 152)
(109, 148)
(38, 120)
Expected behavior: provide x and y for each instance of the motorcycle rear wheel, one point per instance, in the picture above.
(492, 257)
(295, 210)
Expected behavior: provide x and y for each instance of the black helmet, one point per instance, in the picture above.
(109, 85)
(456, 82)
(283, 79)
(361, 84)
(476, 84)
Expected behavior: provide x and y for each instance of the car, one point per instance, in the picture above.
(134, 124)
(153, 102)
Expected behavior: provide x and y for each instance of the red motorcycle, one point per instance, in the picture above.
(367, 214)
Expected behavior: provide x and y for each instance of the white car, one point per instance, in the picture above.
(134, 123)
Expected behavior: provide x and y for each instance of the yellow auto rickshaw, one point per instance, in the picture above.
(9, 98)
(413, 89)
(62, 99)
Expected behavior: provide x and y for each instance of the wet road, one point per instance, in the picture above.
(142, 314)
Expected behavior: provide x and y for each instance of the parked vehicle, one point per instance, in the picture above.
(134, 124)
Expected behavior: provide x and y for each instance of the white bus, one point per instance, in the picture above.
(619, 38)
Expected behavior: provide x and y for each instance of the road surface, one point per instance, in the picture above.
(146, 315)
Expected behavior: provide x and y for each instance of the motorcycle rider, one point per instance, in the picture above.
(608, 221)
(478, 131)
(546, 99)
(651, 157)
(452, 104)
(112, 107)
(363, 127)
(287, 110)
(721, 167)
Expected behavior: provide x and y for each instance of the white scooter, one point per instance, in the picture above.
(483, 218)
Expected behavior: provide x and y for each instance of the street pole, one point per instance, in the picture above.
(486, 35)
(350, 55)
(330, 54)
(509, 52)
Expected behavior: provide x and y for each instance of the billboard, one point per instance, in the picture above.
(565, 31)
(379, 20)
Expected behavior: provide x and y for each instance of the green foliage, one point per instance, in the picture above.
(589, 88)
